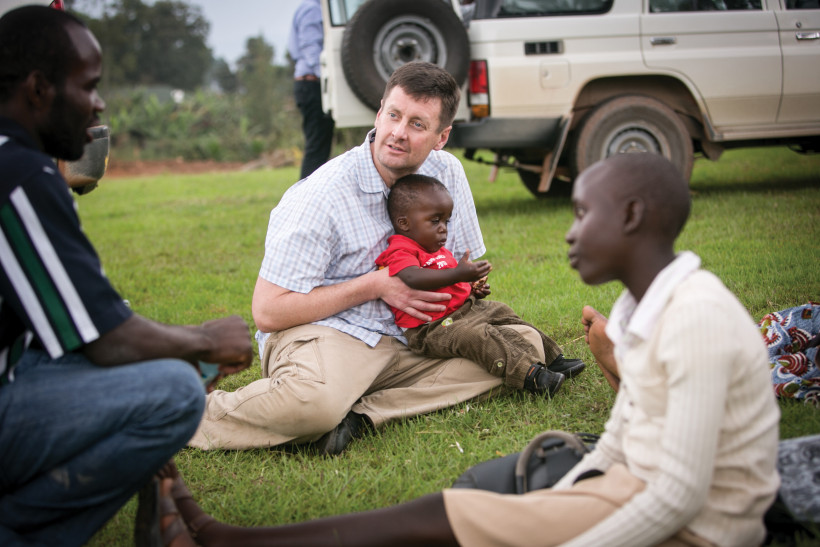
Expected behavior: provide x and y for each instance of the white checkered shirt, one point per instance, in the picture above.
(331, 226)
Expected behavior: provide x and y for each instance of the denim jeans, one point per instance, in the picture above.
(78, 440)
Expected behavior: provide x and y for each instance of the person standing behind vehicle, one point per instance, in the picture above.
(304, 45)
(94, 398)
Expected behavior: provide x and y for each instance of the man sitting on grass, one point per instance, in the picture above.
(688, 454)
(94, 398)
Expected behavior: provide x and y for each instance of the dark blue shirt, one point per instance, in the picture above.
(52, 288)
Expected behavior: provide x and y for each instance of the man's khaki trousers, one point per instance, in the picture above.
(313, 375)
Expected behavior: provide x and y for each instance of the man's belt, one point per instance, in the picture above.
(307, 78)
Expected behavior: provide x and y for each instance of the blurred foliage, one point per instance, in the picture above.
(150, 44)
(167, 97)
(203, 125)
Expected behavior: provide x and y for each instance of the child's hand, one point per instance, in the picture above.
(481, 289)
(472, 271)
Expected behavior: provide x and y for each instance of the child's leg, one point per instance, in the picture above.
(471, 332)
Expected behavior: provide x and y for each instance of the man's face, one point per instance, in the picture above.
(76, 105)
(596, 235)
(426, 223)
(407, 131)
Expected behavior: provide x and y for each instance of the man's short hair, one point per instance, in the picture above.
(405, 191)
(424, 81)
(35, 38)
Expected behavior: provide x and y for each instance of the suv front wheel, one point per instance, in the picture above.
(630, 124)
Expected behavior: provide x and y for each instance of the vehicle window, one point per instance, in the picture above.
(342, 10)
(490, 9)
(665, 6)
(802, 4)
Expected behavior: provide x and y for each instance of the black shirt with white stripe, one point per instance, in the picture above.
(52, 287)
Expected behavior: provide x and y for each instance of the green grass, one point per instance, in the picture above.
(183, 249)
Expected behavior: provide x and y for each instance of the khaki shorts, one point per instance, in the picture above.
(545, 517)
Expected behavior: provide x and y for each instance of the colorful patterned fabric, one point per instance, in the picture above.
(788, 335)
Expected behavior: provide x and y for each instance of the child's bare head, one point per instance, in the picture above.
(420, 208)
(405, 194)
(628, 208)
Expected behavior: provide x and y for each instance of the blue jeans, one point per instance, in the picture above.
(78, 440)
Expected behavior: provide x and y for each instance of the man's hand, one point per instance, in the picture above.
(411, 301)
(232, 348)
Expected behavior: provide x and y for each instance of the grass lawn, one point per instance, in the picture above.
(184, 249)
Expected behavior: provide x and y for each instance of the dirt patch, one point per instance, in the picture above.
(147, 168)
(118, 169)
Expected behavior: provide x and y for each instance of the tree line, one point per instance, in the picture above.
(168, 97)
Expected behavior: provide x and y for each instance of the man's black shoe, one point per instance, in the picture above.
(540, 380)
(568, 367)
(335, 441)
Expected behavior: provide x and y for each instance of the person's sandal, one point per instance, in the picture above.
(152, 507)
(179, 492)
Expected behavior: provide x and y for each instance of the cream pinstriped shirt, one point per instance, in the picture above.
(695, 416)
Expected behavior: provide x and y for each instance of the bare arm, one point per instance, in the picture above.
(429, 279)
(224, 341)
(276, 308)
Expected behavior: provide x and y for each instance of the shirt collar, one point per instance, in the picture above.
(16, 132)
(631, 321)
(372, 181)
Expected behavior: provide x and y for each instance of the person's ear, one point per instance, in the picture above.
(442, 138)
(39, 90)
(634, 214)
(403, 224)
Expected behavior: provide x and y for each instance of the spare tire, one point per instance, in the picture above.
(385, 34)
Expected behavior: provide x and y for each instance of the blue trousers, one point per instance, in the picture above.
(78, 440)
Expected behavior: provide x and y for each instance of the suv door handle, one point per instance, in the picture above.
(662, 41)
(808, 35)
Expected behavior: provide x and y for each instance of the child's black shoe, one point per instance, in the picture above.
(540, 380)
(568, 367)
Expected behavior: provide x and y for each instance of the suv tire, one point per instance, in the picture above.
(628, 124)
(385, 34)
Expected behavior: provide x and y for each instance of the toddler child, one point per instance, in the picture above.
(471, 327)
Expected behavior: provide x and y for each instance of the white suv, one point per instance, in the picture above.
(555, 85)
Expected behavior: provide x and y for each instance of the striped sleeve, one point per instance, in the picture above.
(53, 276)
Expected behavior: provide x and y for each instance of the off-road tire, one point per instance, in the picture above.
(385, 34)
(629, 124)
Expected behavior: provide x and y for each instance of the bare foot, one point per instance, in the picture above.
(600, 345)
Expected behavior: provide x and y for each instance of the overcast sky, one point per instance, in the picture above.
(234, 21)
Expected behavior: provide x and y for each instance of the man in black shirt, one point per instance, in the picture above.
(94, 398)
